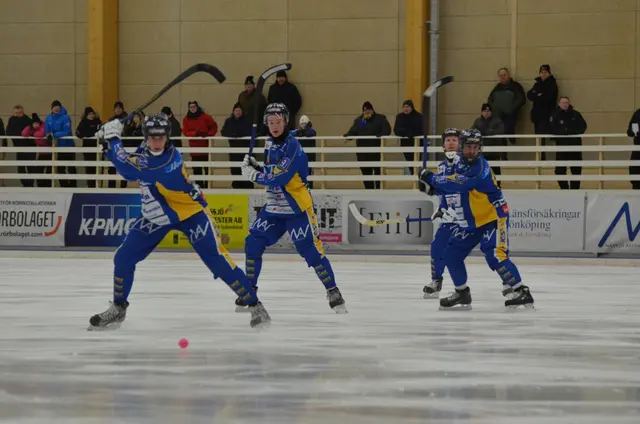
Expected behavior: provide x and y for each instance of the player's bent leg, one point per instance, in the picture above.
(438, 246)
(204, 236)
(460, 245)
(305, 236)
(495, 246)
(142, 239)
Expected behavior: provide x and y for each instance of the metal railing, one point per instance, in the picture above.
(605, 159)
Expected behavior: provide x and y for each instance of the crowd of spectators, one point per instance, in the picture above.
(500, 114)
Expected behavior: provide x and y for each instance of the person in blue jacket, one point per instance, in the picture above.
(58, 125)
(482, 217)
(289, 206)
(170, 201)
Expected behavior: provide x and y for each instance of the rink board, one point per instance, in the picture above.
(576, 222)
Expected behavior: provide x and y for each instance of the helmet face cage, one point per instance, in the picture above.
(471, 136)
(156, 125)
(276, 109)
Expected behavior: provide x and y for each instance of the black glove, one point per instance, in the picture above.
(50, 137)
(424, 175)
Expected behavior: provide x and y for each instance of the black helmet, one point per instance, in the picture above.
(157, 124)
(450, 132)
(471, 136)
(277, 109)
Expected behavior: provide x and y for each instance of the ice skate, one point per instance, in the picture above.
(518, 297)
(433, 289)
(460, 300)
(241, 306)
(111, 319)
(336, 302)
(259, 316)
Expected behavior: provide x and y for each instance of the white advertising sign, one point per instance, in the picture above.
(613, 223)
(546, 222)
(36, 219)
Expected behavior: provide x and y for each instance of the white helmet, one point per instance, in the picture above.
(304, 121)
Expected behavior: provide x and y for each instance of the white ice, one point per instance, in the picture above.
(393, 359)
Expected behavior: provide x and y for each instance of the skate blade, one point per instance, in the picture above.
(110, 327)
(242, 309)
(340, 309)
(456, 308)
(431, 295)
(525, 308)
(261, 326)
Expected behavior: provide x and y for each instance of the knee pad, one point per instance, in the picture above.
(254, 246)
(310, 254)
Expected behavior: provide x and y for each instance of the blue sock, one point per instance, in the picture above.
(325, 273)
(253, 267)
(508, 272)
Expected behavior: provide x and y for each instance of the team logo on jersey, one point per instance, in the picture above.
(299, 233)
(459, 233)
(261, 225)
(198, 234)
(284, 163)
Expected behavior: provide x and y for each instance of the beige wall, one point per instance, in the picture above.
(591, 45)
(43, 56)
(343, 53)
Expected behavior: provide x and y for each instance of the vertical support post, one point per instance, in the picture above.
(102, 46)
(601, 158)
(416, 158)
(383, 170)
(417, 54)
(538, 158)
(323, 172)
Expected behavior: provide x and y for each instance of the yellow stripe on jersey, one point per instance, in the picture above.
(313, 222)
(182, 203)
(502, 240)
(481, 208)
(298, 190)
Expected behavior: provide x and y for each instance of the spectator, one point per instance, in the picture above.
(176, 132)
(373, 124)
(196, 123)
(235, 127)
(118, 113)
(134, 129)
(506, 99)
(634, 131)
(544, 95)
(2, 134)
(488, 125)
(409, 124)
(36, 129)
(248, 99)
(565, 120)
(306, 130)
(282, 91)
(18, 122)
(58, 125)
(86, 131)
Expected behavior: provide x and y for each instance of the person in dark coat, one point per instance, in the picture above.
(489, 125)
(86, 131)
(236, 126)
(282, 91)
(409, 124)
(36, 130)
(119, 112)
(248, 99)
(373, 124)
(565, 120)
(506, 99)
(307, 131)
(16, 123)
(544, 95)
(176, 131)
(633, 130)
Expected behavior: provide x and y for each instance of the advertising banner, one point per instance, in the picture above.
(100, 219)
(546, 222)
(328, 210)
(231, 212)
(405, 234)
(33, 219)
(613, 223)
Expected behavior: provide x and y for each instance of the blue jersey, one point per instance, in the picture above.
(445, 168)
(285, 174)
(168, 197)
(473, 192)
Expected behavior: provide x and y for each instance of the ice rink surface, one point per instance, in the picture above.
(393, 359)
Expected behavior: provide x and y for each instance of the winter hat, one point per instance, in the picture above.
(409, 103)
(281, 74)
(249, 80)
(367, 105)
(237, 106)
(118, 104)
(304, 120)
(192, 102)
(88, 110)
(545, 68)
(166, 110)
(35, 118)
(55, 103)
(486, 106)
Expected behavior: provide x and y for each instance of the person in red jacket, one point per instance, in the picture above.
(196, 123)
(36, 130)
